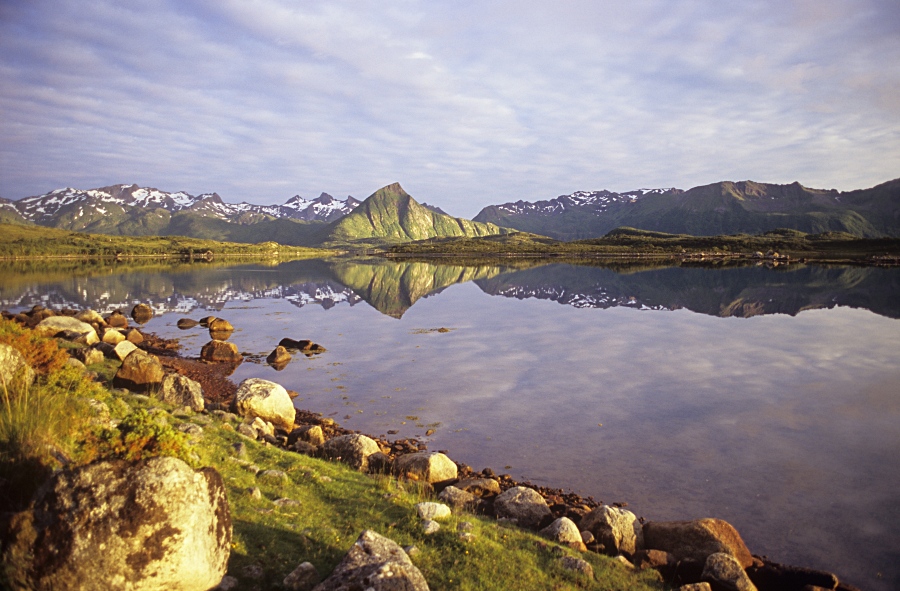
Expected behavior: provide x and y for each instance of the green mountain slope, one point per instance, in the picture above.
(391, 215)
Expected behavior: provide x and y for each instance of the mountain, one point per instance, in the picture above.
(716, 209)
(9, 214)
(130, 209)
(391, 215)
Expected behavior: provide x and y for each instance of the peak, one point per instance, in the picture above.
(392, 189)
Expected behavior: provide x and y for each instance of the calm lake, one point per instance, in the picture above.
(766, 397)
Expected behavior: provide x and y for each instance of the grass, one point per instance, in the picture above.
(628, 242)
(28, 241)
(332, 504)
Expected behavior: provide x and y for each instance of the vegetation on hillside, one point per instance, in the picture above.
(23, 241)
(631, 242)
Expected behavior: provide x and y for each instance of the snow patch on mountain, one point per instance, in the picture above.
(595, 202)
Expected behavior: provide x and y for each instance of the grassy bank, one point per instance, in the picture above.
(328, 504)
(628, 242)
(28, 242)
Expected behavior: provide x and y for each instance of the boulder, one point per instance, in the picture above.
(524, 505)
(90, 317)
(117, 320)
(13, 368)
(617, 529)
(151, 525)
(480, 487)
(582, 567)
(771, 575)
(140, 372)
(279, 356)
(267, 400)
(302, 578)
(141, 313)
(134, 335)
(353, 450)
(380, 463)
(433, 511)
(122, 350)
(564, 531)
(88, 355)
(185, 323)
(432, 467)
(181, 391)
(374, 563)
(112, 336)
(703, 586)
(308, 433)
(219, 325)
(50, 327)
(456, 498)
(217, 350)
(696, 540)
(300, 345)
(722, 570)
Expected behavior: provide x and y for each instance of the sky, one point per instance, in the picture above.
(465, 104)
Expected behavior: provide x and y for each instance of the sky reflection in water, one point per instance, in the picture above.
(783, 425)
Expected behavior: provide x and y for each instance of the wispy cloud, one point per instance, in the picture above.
(465, 104)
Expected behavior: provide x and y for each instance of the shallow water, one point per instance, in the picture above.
(754, 395)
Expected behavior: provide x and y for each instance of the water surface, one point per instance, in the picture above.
(766, 397)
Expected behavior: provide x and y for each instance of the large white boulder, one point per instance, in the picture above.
(54, 325)
(14, 369)
(153, 525)
(432, 467)
(353, 450)
(523, 504)
(267, 400)
(616, 528)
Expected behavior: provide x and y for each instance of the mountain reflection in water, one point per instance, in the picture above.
(392, 288)
(782, 422)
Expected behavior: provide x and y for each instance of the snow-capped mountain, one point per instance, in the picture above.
(69, 206)
(594, 202)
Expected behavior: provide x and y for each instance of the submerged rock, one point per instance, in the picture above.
(217, 350)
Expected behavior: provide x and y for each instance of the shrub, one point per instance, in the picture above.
(42, 353)
(138, 436)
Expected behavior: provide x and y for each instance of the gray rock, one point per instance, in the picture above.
(564, 531)
(155, 524)
(380, 463)
(263, 427)
(279, 356)
(587, 537)
(353, 450)
(695, 587)
(433, 511)
(617, 529)
(217, 350)
(267, 400)
(140, 371)
(309, 433)
(117, 320)
(189, 428)
(80, 332)
(724, 570)
(112, 336)
(90, 317)
(375, 563)
(13, 368)
(228, 583)
(456, 498)
(122, 350)
(480, 487)
(524, 505)
(285, 502)
(302, 578)
(577, 565)
(181, 391)
(254, 492)
(430, 527)
(247, 431)
(696, 540)
(88, 355)
(432, 467)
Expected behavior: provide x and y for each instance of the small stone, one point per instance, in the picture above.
(456, 498)
(587, 537)
(112, 336)
(704, 586)
(228, 583)
(480, 487)
(724, 569)
(254, 492)
(220, 351)
(466, 537)
(302, 578)
(189, 428)
(240, 449)
(287, 502)
(433, 511)
(564, 531)
(279, 356)
(411, 551)
(185, 323)
(429, 526)
(577, 565)
(253, 571)
(310, 433)
(273, 476)
(220, 325)
(247, 431)
(464, 526)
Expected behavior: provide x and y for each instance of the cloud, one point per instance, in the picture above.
(465, 105)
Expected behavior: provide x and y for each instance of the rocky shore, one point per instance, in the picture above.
(693, 555)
